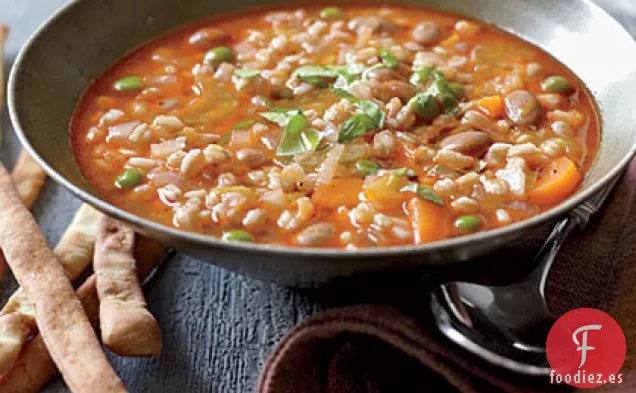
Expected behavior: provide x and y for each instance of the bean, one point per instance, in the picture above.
(533, 69)
(376, 24)
(208, 37)
(552, 101)
(128, 83)
(251, 157)
(128, 179)
(383, 74)
(389, 89)
(467, 29)
(367, 167)
(427, 33)
(316, 234)
(557, 84)
(238, 236)
(472, 143)
(218, 55)
(227, 179)
(523, 108)
(331, 13)
(468, 223)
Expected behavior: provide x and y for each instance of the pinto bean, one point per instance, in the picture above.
(251, 157)
(472, 143)
(427, 33)
(316, 234)
(208, 37)
(384, 91)
(522, 108)
(384, 74)
(376, 24)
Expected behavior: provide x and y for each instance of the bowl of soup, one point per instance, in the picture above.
(304, 142)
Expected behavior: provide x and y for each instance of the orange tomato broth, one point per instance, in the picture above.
(328, 198)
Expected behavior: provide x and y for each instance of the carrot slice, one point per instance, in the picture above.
(338, 192)
(384, 192)
(429, 221)
(556, 182)
(491, 106)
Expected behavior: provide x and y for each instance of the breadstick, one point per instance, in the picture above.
(61, 320)
(127, 327)
(35, 367)
(28, 178)
(4, 31)
(75, 252)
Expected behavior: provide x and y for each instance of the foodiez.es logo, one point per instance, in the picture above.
(586, 348)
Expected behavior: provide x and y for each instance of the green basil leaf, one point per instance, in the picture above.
(285, 110)
(245, 73)
(421, 76)
(316, 81)
(241, 125)
(404, 171)
(441, 89)
(369, 108)
(280, 116)
(316, 70)
(345, 94)
(298, 137)
(351, 72)
(316, 74)
(423, 192)
(372, 110)
(388, 58)
(355, 126)
(276, 117)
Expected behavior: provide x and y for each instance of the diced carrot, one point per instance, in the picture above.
(491, 106)
(340, 218)
(555, 182)
(338, 192)
(430, 221)
(384, 193)
(450, 41)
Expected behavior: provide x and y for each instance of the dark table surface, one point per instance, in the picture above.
(218, 327)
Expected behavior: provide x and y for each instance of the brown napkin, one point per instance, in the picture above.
(386, 348)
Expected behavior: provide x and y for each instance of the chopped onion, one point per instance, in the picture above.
(164, 149)
(328, 167)
(161, 177)
(121, 131)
